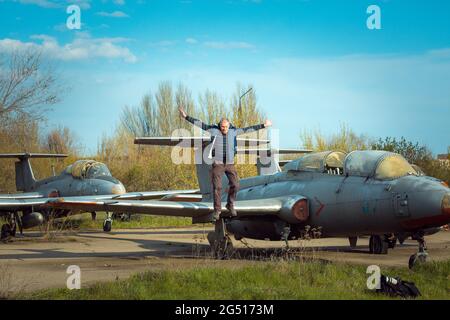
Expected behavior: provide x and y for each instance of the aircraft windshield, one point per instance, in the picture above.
(98, 170)
(88, 169)
(394, 167)
(378, 164)
(327, 161)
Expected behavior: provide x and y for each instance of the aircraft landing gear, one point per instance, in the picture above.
(377, 245)
(9, 229)
(107, 224)
(353, 241)
(220, 241)
(421, 256)
(6, 232)
(391, 239)
(285, 236)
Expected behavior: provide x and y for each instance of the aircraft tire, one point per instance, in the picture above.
(377, 245)
(416, 259)
(5, 232)
(107, 226)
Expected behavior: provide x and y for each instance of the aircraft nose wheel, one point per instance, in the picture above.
(417, 258)
(422, 255)
(107, 224)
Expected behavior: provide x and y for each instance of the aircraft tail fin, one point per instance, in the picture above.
(24, 173)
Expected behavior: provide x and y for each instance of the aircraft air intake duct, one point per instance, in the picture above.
(295, 210)
(31, 220)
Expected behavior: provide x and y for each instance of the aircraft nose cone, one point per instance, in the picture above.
(446, 205)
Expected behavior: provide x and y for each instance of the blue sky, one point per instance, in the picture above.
(313, 64)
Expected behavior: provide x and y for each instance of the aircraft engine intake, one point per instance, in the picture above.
(295, 211)
(31, 220)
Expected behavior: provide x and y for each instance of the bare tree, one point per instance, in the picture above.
(27, 84)
(212, 107)
(61, 140)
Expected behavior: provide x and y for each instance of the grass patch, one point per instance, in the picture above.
(84, 221)
(261, 280)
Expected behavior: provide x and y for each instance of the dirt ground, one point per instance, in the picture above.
(32, 262)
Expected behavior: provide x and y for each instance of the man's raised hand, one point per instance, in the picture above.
(182, 112)
(267, 123)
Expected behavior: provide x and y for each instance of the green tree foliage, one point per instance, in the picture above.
(345, 140)
(413, 152)
(416, 154)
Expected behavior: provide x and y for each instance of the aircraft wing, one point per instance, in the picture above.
(12, 202)
(25, 195)
(18, 204)
(290, 208)
(148, 195)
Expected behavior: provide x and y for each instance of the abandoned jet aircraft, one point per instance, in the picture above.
(375, 193)
(82, 178)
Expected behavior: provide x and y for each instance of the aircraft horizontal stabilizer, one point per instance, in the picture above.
(192, 141)
(270, 151)
(26, 155)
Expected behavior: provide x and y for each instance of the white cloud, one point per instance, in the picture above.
(440, 53)
(81, 48)
(191, 40)
(53, 4)
(41, 3)
(163, 43)
(115, 14)
(228, 45)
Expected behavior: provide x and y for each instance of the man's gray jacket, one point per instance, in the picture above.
(224, 146)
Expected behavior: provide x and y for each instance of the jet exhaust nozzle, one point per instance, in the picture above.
(31, 220)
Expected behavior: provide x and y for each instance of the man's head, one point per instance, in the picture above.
(224, 125)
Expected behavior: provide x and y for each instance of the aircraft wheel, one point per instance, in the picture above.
(6, 232)
(107, 226)
(416, 259)
(377, 245)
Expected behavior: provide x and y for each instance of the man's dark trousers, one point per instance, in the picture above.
(218, 169)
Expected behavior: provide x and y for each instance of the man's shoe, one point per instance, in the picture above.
(232, 211)
(215, 216)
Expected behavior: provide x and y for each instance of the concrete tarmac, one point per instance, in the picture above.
(33, 262)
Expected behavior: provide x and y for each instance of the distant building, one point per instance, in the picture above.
(444, 159)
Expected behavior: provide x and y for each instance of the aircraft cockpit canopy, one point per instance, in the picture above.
(88, 169)
(381, 165)
(331, 162)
